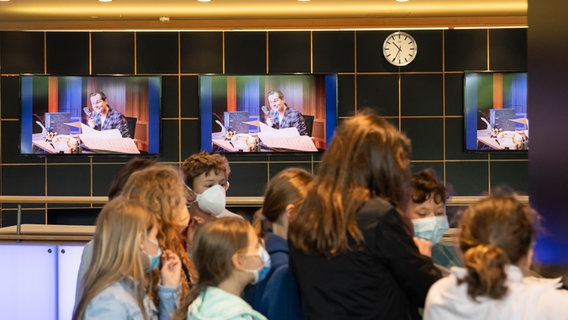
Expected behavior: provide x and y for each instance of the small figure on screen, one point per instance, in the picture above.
(281, 116)
(105, 118)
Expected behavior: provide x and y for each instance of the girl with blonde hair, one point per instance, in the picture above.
(125, 249)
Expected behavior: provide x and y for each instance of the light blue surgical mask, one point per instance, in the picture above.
(261, 273)
(431, 228)
(154, 259)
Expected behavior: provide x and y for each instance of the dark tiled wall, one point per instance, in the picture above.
(423, 99)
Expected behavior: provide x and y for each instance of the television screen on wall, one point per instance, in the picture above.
(267, 113)
(90, 115)
(495, 111)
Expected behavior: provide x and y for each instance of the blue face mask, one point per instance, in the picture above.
(431, 228)
(155, 259)
(261, 273)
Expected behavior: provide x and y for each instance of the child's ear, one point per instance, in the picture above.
(141, 241)
(227, 186)
(289, 209)
(191, 195)
(236, 259)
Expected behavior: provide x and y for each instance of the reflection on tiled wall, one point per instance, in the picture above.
(424, 98)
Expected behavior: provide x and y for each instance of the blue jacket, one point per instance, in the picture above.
(276, 296)
(216, 304)
(117, 302)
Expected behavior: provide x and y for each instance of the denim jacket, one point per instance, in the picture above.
(117, 302)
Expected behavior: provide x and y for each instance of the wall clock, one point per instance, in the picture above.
(400, 49)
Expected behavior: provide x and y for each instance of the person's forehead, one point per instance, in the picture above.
(430, 203)
(211, 175)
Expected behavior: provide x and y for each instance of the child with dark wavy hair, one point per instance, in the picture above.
(497, 234)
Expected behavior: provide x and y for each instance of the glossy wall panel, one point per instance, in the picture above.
(245, 52)
(427, 136)
(465, 50)
(425, 99)
(289, 52)
(422, 95)
(67, 53)
(379, 92)
(334, 51)
(201, 52)
(26, 52)
(157, 52)
(508, 49)
(113, 52)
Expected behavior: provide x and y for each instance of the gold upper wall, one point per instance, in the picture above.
(91, 15)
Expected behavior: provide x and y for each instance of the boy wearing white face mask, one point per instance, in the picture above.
(206, 177)
(429, 219)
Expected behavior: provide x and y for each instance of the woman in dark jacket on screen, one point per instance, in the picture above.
(351, 249)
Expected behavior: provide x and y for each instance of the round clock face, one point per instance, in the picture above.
(400, 49)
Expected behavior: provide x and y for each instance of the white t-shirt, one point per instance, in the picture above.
(526, 298)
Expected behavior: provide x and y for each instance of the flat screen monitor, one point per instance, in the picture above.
(267, 113)
(60, 115)
(495, 111)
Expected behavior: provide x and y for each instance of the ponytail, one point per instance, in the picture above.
(261, 224)
(486, 275)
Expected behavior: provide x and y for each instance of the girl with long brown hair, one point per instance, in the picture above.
(352, 250)
(277, 296)
(228, 255)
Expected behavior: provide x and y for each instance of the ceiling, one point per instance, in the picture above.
(257, 14)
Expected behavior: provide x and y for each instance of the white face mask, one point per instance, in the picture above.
(212, 200)
(431, 228)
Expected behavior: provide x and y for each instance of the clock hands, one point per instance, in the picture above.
(399, 48)
(397, 54)
(405, 47)
(398, 51)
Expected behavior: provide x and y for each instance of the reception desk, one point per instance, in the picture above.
(39, 270)
(46, 233)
